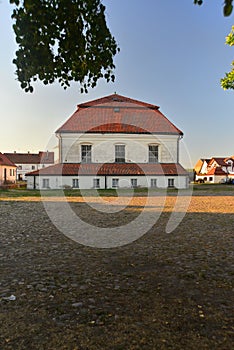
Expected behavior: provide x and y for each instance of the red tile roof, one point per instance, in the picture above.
(31, 158)
(216, 171)
(219, 160)
(114, 169)
(4, 160)
(118, 114)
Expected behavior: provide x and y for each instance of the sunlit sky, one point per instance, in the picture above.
(173, 55)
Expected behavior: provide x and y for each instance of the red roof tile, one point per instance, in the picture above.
(4, 160)
(31, 158)
(74, 169)
(118, 114)
(216, 171)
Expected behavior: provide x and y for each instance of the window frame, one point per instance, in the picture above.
(153, 183)
(153, 155)
(46, 183)
(117, 182)
(96, 183)
(171, 183)
(86, 155)
(75, 183)
(134, 185)
(120, 156)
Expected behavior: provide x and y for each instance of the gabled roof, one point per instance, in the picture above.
(75, 169)
(4, 160)
(118, 114)
(216, 171)
(219, 160)
(31, 158)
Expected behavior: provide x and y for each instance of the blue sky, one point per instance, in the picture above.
(173, 54)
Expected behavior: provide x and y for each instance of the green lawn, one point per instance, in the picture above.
(22, 192)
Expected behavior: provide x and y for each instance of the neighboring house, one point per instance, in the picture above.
(201, 166)
(27, 162)
(115, 142)
(215, 170)
(7, 170)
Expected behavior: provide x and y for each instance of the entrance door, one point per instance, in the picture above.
(5, 174)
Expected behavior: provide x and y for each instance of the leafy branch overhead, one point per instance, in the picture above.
(68, 40)
(227, 6)
(228, 81)
(64, 40)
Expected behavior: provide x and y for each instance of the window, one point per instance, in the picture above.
(75, 183)
(153, 183)
(153, 154)
(210, 178)
(96, 183)
(45, 183)
(33, 167)
(120, 153)
(115, 183)
(86, 151)
(133, 183)
(20, 167)
(171, 183)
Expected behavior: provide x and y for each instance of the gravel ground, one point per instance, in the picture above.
(163, 291)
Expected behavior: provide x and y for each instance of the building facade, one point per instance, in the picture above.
(115, 142)
(27, 162)
(7, 170)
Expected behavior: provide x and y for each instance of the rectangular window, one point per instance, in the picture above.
(120, 153)
(45, 183)
(96, 183)
(133, 183)
(86, 153)
(115, 183)
(153, 183)
(33, 167)
(171, 183)
(153, 154)
(75, 183)
(210, 178)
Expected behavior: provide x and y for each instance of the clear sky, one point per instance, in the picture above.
(173, 55)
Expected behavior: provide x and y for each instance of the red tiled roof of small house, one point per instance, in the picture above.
(31, 158)
(4, 160)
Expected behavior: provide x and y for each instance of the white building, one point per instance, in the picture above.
(27, 162)
(115, 142)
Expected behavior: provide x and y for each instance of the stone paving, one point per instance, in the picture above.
(163, 291)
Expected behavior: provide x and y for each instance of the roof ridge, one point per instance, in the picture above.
(117, 98)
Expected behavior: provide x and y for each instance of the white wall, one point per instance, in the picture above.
(103, 147)
(86, 182)
(27, 168)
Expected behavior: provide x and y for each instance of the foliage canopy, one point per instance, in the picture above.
(67, 40)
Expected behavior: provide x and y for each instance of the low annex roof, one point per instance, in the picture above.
(31, 158)
(118, 114)
(75, 169)
(4, 160)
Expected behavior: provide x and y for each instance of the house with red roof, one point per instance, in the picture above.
(115, 142)
(7, 170)
(27, 162)
(215, 170)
